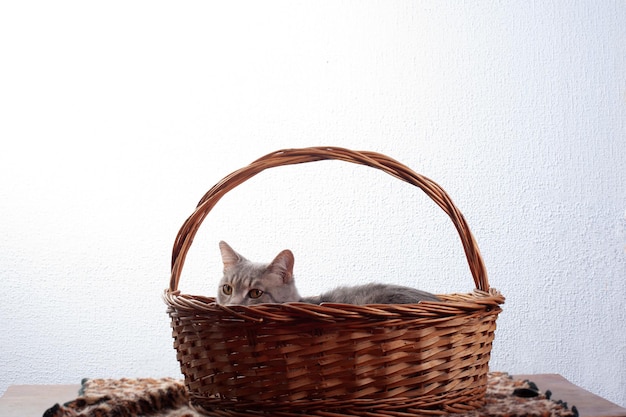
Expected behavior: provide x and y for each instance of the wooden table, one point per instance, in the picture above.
(33, 400)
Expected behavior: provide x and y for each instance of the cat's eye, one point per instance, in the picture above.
(227, 289)
(255, 293)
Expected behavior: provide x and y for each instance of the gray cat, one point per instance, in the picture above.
(246, 283)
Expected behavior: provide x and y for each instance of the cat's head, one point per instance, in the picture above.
(246, 283)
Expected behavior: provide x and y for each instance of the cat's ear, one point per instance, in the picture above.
(283, 265)
(229, 256)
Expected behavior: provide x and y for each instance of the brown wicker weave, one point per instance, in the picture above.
(324, 360)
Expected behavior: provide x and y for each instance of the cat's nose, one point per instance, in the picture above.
(234, 301)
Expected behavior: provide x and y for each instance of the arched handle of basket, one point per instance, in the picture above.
(187, 232)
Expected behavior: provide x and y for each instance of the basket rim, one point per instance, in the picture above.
(449, 306)
(188, 230)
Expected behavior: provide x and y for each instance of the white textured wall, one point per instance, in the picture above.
(117, 117)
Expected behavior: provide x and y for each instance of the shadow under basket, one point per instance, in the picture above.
(428, 358)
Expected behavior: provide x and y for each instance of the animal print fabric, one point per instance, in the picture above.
(168, 397)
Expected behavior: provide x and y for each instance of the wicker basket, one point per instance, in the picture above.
(334, 360)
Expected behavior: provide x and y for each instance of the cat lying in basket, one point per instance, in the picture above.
(246, 283)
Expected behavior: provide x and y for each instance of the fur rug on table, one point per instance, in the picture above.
(168, 397)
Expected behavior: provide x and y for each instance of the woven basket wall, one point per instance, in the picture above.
(334, 360)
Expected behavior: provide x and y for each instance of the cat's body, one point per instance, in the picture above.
(246, 283)
(372, 294)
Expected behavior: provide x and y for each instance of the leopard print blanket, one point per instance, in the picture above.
(168, 397)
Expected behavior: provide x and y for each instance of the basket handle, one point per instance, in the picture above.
(187, 232)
